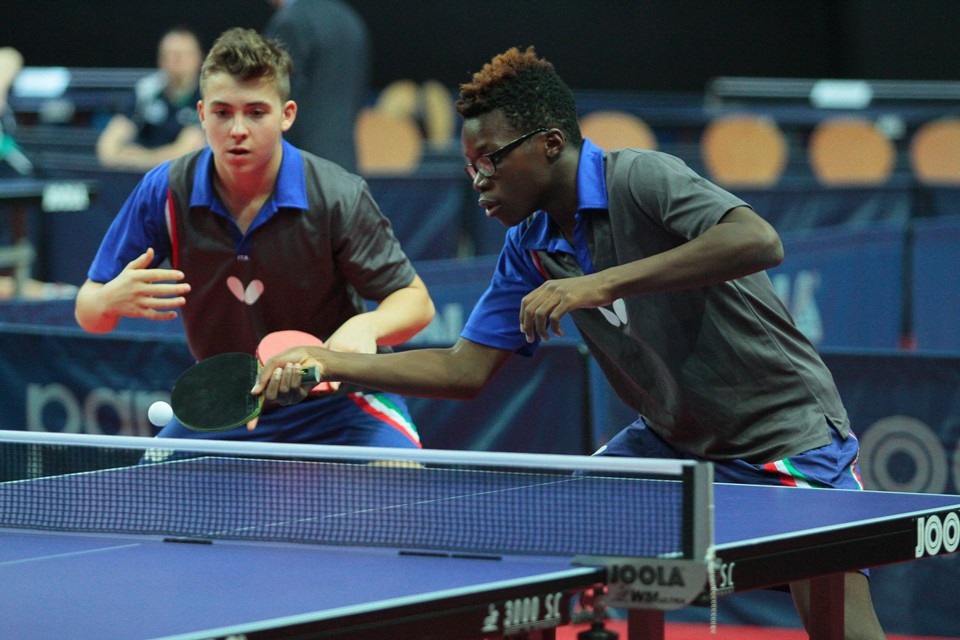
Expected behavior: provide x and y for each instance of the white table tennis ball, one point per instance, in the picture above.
(160, 413)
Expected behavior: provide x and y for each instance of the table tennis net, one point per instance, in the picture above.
(412, 500)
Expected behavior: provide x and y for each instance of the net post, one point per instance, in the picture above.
(698, 511)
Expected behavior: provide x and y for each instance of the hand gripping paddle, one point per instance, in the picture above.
(279, 341)
(214, 394)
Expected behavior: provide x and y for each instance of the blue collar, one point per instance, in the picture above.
(541, 232)
(290, 190)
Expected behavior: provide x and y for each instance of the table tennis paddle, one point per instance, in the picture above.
(279, 341)
(214, 394)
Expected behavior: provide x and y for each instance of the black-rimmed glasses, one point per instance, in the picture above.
(486, 165)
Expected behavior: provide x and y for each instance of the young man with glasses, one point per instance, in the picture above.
(663, 274)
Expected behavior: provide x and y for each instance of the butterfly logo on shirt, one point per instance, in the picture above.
(248, 294)
(618, 316)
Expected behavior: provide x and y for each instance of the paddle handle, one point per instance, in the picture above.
(310, 376)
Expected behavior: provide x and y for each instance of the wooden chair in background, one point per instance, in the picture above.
(744, 150)
(935, 152)
(617, 130)
(387, 143)
(850, 151)
(429, 104)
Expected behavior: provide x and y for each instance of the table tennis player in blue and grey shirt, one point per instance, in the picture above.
(262, 237)
(663, 274)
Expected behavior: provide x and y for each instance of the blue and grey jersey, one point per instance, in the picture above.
(720, 371)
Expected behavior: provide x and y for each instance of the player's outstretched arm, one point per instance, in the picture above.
(459, 372)
(137, 292)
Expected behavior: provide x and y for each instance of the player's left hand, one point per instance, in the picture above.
(542, 309)
(353, 336)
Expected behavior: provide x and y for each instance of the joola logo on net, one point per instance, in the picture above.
(647, 575)
(936, 534)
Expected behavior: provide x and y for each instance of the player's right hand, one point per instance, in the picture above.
(279, 379)
(141, 292)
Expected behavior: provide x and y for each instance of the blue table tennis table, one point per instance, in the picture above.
(150, 580)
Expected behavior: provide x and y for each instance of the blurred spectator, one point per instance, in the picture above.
(164, 123)
(10, 64)
(12, 163)
(12, 159)
(330, 46)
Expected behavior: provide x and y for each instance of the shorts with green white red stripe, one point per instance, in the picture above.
(830, 466)
(361, 419)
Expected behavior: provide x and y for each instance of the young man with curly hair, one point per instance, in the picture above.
(663, 274)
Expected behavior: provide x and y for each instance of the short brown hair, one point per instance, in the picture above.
(247, 55)
(527, 89)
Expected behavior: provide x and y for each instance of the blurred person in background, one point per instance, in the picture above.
(330, 46)
(163, 123)
(12, 160)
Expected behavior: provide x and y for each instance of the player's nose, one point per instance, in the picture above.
(238, 128)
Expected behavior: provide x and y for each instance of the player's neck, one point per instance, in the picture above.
(239, 184)
(243, 194)
(565, 200)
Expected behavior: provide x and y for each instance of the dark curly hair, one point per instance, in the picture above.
(527, 89)
(246, 55)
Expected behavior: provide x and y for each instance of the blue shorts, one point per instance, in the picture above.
(831, 466)
(356, 419)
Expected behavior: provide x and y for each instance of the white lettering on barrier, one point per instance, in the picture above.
(937, 535)
(55, 407)
(802, 301)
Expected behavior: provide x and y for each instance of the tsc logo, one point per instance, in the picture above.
(936, 534)
(725, 576)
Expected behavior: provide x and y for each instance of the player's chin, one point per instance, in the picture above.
(508, 217)
(512, 222)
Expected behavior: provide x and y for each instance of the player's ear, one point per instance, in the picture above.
(289, 114)
(555, 140)
(200, 111)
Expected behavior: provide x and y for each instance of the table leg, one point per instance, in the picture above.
(826, 607)
(645, 624)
